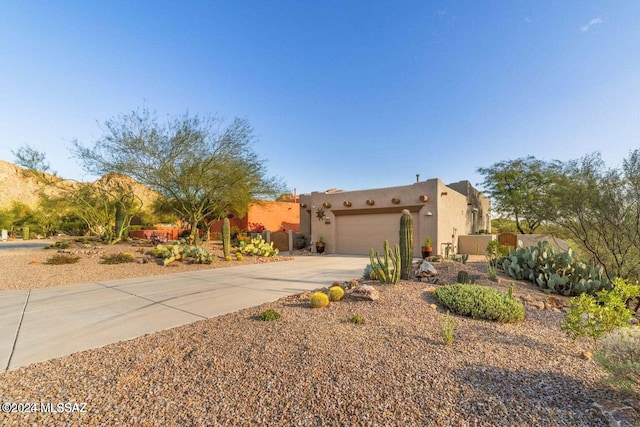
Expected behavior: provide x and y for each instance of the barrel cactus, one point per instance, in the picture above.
(319, 300)
(336, 293)
(406, 244)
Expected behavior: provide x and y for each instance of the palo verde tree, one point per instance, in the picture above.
(519, 189)
(200, 167)
(600, 209)
(106, 205)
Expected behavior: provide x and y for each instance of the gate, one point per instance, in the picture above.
(280, 240)
(510, 240)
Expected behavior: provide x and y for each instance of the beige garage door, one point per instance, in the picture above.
(356, 234)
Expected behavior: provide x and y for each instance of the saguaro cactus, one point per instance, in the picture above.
(406, 244)
(226, 237)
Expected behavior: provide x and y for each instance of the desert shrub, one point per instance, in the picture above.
(480, 302)
(368, 273)
(619, 354)
(121, 258)
(58, 245)
(593, 316)
(492, 273)
(447, 328)
(319, 300)
(60, 259)
(356, 319)
(269, 315)
(336, 293)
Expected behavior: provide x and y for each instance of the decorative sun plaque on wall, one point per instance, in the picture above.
(320, 214)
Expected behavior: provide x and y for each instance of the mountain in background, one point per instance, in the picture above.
(18, 184)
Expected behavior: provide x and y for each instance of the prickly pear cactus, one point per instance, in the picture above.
(554, 271)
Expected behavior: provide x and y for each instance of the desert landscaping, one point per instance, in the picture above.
(33, 271)
(315, 367)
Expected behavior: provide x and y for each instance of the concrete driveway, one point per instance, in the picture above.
(43, 324)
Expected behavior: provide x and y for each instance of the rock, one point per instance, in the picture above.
(526, 299)
(554, 302)
(586, 355)
(435, 307)
(426, 270)
(536, 304)
(616, 414)
(430, 289)
(365, 293)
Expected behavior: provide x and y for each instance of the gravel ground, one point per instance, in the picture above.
(29, 269)
(313, 367)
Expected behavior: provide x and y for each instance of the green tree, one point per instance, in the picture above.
(519, 190)
(600, 209)
(200, 167)
(106, 205)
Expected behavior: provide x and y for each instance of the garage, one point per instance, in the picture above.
(357, 233)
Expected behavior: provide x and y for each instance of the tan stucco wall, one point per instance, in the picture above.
(443, 216)
(475, 244)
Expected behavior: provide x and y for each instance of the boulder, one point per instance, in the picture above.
(364, 293)
(426, 270)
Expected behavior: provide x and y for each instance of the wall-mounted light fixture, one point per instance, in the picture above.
(395, 201)
(346, 204)
(444, 193)
(303, 205)
(428, 213)
(424, 198)
(327, 205)
(370, 202)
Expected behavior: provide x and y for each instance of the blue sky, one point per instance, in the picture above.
(346, 94)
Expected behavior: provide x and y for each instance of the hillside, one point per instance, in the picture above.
(17, 184)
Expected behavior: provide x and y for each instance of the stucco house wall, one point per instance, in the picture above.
(354, 221)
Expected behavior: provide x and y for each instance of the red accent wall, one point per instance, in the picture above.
(275, 216)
